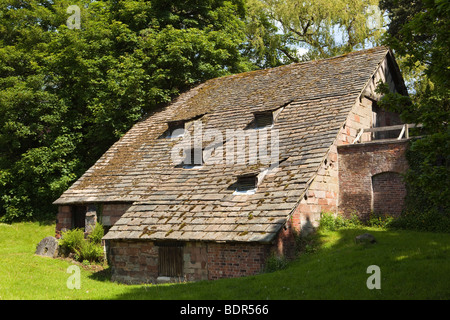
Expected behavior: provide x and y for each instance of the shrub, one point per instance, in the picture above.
(72, 240)
(307, 244)
(92, 252)
(423, 221)
(332, 222)
(90, 249)
(379, 220)
(275, 263)
(97, 234)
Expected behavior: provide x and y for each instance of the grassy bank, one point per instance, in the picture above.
(413, 265)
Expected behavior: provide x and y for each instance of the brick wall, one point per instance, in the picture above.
(323, 192)
(360, 116)
(343, 183)
(137, 261)
(195, 255)
(388, 193)
(63, 220)
(284, 244)
(133, 261)
(236, 259)
(358, 164)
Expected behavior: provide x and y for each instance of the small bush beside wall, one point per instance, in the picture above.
(74, 244)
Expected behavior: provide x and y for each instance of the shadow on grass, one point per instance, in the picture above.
(404, 258)
(102, 275)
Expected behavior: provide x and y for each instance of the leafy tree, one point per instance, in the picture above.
(66, 94)
(277, 29)
(419, 33)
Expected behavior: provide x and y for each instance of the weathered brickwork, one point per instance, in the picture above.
(361, 116)
(323, 192)
(137, 261)
(359, 164)
(284, 243)
(388, 193)
(133, 261)
(343, 184)
(321, 196)
(63, 219)
(236, 260)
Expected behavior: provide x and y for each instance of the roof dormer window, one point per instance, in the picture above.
(266, 118)
(263, 119)
(176, 129)
(193, 159)
(246, 183)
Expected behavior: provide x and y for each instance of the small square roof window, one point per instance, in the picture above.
(246, 183)
(263, 119)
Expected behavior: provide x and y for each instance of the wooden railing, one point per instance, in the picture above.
(403, 127)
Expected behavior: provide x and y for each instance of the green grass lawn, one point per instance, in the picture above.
(413, 265)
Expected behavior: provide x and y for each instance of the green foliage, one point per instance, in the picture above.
(426, 220)
(380, 220)
(97, 234)
(430, 221)
(277, 29)
(66, 95)
(91, 252)
(72, 240)
(275, 263)
(307, 244)
(427, 180)
(418, 32)
(90, 249)
(332, 222)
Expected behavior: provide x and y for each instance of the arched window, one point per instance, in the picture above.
(388, 193)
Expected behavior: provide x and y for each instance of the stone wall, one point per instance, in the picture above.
(343, 183)
(321, 196)
(133, 261)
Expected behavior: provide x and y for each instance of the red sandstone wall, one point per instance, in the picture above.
(321, 196)
(343, 183)
(323, 192)
(133, 261)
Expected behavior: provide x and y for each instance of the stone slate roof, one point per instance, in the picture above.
(173, 203)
